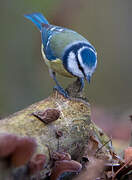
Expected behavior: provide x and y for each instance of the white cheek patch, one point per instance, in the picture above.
(73, 66)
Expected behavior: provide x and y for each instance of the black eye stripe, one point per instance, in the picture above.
(79, 65)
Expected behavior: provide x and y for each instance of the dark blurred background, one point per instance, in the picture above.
(24, 78)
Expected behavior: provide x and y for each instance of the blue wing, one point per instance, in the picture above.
(49, 32)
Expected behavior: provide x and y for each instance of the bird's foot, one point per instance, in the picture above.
(61, 91)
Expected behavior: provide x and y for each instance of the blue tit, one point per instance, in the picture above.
(65, 51)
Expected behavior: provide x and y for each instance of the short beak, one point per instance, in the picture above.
(88, 78)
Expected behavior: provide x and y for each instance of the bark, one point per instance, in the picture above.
(72, 132)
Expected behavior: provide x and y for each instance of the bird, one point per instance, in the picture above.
(65, 52)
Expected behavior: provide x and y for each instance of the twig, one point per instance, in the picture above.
(130, 160)
(103, 145)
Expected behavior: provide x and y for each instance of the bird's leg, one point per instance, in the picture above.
(81, 84)
(58, 87)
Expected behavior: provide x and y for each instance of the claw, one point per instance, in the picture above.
(58, 87)
(61, 91)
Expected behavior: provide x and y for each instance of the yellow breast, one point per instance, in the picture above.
(56, 65)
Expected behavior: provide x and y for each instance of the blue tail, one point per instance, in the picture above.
(37, 18)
